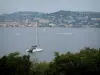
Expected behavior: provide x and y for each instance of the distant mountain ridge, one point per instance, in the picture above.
(60, 18)
(23, 15)
(20, 16)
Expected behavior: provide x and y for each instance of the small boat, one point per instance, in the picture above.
(35, 48)
(44, 29)
(17, 33)
(65, 33)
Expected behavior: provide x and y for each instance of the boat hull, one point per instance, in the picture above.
(35, 50)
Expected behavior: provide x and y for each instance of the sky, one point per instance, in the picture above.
(48, 6)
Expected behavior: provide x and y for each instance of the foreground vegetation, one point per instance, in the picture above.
(85, 62)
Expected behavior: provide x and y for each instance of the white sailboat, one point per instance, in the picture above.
(35, 48)
(44, 30)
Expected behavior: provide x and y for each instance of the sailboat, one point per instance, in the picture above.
(44, 30)
(35, 48)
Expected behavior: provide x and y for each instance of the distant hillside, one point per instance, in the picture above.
(20, 16)
(59, 17)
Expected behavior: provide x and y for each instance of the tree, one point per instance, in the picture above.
(14, 64)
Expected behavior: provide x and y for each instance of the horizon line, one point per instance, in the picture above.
(51, 12)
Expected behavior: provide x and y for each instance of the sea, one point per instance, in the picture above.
(52, 40)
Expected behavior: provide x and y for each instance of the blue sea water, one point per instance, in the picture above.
(51, 40)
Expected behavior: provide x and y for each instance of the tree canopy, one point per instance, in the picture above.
(85, 62)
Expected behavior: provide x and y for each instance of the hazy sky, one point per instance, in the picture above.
(9, 6)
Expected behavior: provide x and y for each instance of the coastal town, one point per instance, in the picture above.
(56, 19)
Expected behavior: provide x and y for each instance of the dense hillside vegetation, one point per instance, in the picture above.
(85, 62)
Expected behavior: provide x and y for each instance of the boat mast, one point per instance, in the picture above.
(37, 37)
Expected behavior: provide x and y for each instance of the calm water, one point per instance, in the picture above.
(51, 40)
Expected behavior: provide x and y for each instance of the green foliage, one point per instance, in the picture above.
(85, 62)
(14, 64)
